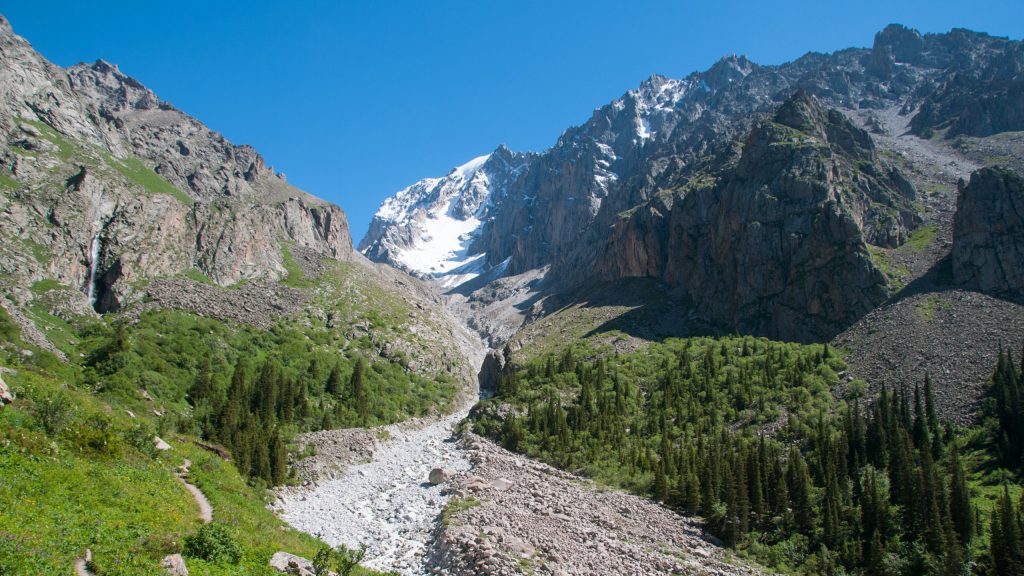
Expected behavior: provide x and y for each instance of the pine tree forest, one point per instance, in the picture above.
(787, 461)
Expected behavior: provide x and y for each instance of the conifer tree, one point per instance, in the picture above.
(278, 460)
(357, 389)
(961, 511)
(202, 387)
(799, 483)
(1005, 537)
(333, 384)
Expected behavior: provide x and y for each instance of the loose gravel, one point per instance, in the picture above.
(385, 503)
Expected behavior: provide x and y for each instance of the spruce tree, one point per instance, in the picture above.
(202, 387)
(799, 483)
(357, 390)
(961, 511)
(1005, 537)
(278, 460)
(953, 553)
(333, 384)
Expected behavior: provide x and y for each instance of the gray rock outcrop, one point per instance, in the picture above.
(6, 396)
(174, 565)
(111, 187)
(778, 244)
(988, 232)
(287, 563)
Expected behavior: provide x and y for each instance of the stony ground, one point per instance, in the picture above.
(506, 514)
(386, 502)
(954, 335)
(511, 515)
(257, 303)
(931, 325)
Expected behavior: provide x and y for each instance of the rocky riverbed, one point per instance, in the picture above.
(385, 503)
(496, 512)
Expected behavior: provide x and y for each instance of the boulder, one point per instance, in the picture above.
(501, 484)
(6, 396)
(159, 444)
(439, 476)
(174, 565)
(476, 484)
(292, 564)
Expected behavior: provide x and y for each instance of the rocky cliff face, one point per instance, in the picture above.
(105, 186)
(978, 91)
(778, 245)
(988, 232)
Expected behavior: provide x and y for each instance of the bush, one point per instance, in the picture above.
(55, 413)
(213, 543)
(343, 559)
(96, 435)
(140, 437)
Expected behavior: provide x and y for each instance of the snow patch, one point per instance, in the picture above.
(442, 245)
(643, 128)
(469, 168)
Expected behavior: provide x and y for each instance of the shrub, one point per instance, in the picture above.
(213, 543)
(343, 559)
(55, 413)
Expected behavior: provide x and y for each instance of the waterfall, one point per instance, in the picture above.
(94, 257)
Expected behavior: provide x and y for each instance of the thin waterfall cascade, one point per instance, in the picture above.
(94, 257)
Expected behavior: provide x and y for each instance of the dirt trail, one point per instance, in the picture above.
(205, 509)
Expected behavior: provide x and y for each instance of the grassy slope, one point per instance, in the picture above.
(78, 471)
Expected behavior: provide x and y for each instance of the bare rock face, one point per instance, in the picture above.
(988, 232)
(978, 94)
(439, 475)
(6, 396)
(778, 244)
(112, 187)
(894, 44)
(492, 369)
(174, 565)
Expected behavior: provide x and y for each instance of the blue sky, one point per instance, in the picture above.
(354, 100)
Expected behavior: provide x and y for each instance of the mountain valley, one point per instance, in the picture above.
(760, 319)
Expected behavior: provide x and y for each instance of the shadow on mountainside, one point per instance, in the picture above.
(934, 325)
(639, 307)
(939, 279)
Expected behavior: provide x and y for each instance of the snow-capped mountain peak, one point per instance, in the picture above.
(428, 228)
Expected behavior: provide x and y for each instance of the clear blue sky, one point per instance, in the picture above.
(354, 100)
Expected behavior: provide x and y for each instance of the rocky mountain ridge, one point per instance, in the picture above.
(113, 186)
(779, 245)
(611, 198)
(113, 200)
